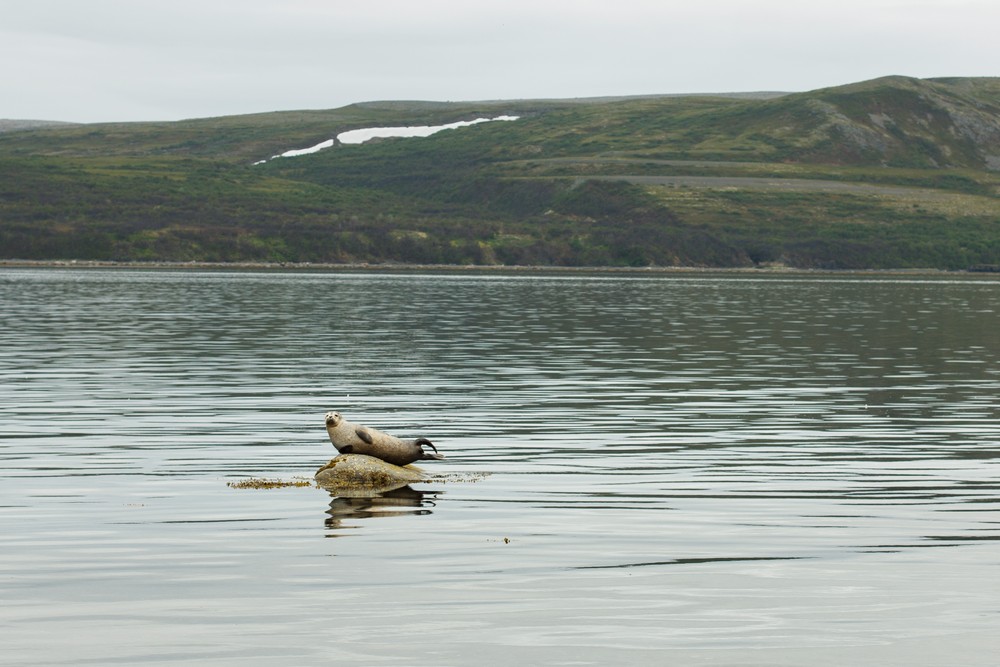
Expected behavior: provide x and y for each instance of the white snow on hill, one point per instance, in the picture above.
(367, 134)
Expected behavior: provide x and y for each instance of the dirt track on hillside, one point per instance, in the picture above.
(780, 184)
(743, 182)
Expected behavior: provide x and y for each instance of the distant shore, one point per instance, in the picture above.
(461, 268)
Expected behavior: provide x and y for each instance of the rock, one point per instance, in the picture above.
(365, 474)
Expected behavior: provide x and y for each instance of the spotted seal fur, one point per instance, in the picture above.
(351, 438)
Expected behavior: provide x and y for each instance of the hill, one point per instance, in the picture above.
(890, 173)
(16, 125)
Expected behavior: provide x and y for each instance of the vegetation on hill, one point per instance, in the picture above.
(889, 173)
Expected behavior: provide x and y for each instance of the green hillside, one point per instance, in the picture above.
(890, 173)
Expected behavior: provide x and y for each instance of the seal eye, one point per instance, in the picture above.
(347, 449)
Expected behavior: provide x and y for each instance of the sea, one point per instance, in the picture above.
(750, 469)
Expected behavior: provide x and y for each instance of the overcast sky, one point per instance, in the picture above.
(112, 60)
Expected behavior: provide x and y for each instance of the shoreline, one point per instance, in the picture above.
(465, 268)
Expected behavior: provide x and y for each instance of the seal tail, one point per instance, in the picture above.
(427, 455)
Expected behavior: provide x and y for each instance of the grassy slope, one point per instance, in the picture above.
(560, 186)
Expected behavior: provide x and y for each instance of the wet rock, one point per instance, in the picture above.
(362, 473)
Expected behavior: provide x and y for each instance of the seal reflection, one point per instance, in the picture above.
(400, 501)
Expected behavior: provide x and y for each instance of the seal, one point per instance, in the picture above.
(364, 475)
(350, 438)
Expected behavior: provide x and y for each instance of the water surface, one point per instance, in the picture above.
(642, 469)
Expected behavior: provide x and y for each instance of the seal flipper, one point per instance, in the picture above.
(364, 435)
(427, 455)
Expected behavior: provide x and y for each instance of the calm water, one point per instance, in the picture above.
(689, 469)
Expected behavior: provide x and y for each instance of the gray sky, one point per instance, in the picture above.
(111, 60)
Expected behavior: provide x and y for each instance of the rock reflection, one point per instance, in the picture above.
(363, 504)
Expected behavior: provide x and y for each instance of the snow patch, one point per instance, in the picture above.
(361, 136)
(306, 151)
(367, 134)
